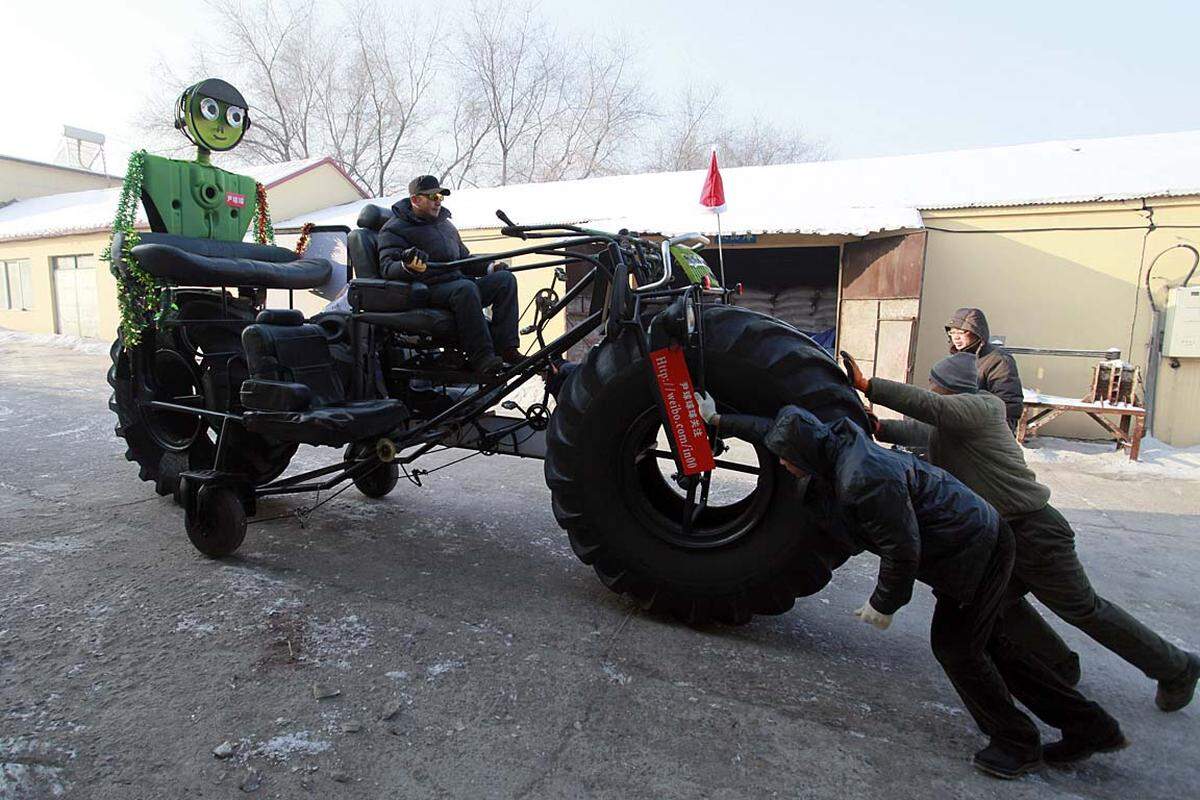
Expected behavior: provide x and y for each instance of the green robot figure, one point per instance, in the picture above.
(193, 199)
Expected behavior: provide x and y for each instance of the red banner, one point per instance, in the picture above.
(235, 200)
(683, 417)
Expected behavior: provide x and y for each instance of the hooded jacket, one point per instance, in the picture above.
(437, 237)
(997, 370)
(965, 435)
(922, 523)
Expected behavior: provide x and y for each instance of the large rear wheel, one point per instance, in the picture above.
(758, 543)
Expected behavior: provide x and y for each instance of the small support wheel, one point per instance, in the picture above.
(216, 521)
(379, 479)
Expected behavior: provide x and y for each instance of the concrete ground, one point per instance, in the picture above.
(471, 655)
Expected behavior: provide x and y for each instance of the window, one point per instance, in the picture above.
(16, 293)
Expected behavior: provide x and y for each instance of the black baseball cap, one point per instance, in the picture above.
(425, 184)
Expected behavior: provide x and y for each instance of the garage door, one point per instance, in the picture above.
(75, 302)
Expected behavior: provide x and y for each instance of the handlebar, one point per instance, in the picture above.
(700, 241)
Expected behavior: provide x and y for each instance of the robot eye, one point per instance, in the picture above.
(234, 116)
(209, 108)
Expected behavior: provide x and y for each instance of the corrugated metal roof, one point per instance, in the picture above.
(849, 197)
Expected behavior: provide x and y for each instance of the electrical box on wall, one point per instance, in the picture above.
(1181, 333)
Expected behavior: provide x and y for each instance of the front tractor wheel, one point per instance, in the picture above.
(755, 545)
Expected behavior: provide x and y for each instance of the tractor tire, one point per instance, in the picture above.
(164, 444)
(217, 524)
(624, 517)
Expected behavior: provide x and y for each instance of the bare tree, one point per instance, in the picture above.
(685, 138)
(516, 68)
(272, 49)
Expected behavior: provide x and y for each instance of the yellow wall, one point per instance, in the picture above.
(316, 189)
(40, 318)
(1068, 276)
(20, 180)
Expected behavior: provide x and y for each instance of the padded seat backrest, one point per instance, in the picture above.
(293, 354)
(362, 243)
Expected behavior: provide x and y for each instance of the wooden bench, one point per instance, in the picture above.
(1127, 431)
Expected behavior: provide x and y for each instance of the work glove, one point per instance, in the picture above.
(869, 615)
(497, 266)
(708, 408)
(853, 372)
(414, 259)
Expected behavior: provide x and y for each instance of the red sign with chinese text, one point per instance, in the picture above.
(235, 200)
(684, 423)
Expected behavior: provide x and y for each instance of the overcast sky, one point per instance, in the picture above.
(869, 77)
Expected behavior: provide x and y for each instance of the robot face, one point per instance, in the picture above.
(213, 113)
(215, 125)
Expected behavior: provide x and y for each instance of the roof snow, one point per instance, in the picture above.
(854, 196)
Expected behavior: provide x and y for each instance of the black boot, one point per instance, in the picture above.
(1175, 694)
(1073, 748)
(1002, 763)
(488, 364)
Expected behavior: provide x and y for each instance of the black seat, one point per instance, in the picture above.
(186, 261)
(396, 305)
(294, 392)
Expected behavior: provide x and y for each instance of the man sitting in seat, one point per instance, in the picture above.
(421, 232)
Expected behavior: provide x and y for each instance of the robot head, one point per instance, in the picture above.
(213, 115)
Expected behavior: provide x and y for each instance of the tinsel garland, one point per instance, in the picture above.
(139, 295)
(264, 232)
(302, 242)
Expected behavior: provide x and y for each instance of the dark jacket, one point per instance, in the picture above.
(967, 436)
(437, 237)
(922, 523)
(997, 369)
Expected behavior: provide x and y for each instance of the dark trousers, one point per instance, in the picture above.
(1048, 567)
(985, 667)
(467, 297)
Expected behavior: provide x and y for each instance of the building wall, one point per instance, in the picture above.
(1068, 276)
(40, 252)
(20, 180)
(316, 189)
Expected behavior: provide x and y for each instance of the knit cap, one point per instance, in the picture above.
(958, 373)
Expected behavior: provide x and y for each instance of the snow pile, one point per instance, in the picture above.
(90, 346)
(280, 748)
(1155, 460)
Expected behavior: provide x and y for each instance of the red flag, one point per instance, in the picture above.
(712, 196)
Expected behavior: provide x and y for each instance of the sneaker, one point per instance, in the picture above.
(1000, 763)
(1175, 694)
(1071, 749)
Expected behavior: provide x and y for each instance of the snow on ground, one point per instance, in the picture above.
(1156, 458)
(93, 346)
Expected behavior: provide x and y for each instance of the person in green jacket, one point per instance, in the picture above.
(966, 433)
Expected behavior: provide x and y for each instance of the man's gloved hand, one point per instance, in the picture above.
(708, 408)
(497, 266)
(857, 379)
(414, 259)
(869, 615)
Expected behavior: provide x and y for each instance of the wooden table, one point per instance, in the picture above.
(1127, 431)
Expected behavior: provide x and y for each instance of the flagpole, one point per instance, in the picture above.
(720, 251)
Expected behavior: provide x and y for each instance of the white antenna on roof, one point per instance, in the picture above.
(80, 149)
